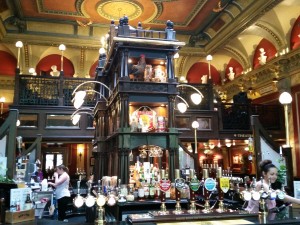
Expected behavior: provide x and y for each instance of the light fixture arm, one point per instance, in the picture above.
(84, 110)
(97, 82)
(97, 93)
(187, 85)
(181, 98)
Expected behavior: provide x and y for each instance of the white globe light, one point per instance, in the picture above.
(209, 57)
(62, 47)
(182, 107)
(195, 124)
(19, 44)
(78, 201)
(75, 119)
(101, 200)
(90, 201)
(101, 51)
(78, 103)
(285, 98)
(80, 95)
(196, 98)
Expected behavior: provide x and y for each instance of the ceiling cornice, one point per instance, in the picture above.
(242, 22)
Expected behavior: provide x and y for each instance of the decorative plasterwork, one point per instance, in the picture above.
(239, 56)
(42, 9)
(7, 83)
(26, 53)
(237, 27)
(115, 9)
(82, 58)
(268, 30)
(262, 79)
(187, 20)
(183, 59)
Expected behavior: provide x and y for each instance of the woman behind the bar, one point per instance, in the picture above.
(62, 192)
(269, 172)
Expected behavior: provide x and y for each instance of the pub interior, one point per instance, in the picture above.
(145, 144)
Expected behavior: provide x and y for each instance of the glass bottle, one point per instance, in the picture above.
(28, 203)
(146, 190)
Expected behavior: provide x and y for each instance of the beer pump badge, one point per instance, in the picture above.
(179, 184)
(164, 185)
(224, 184)
(194, 184)
(210, 184)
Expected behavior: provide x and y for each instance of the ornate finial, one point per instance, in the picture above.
(170, 24)
(121, 21)
(139, 25)
(125, 20)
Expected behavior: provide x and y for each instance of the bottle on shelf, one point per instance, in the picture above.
(28, 202)
(146, 190)
(152, 189)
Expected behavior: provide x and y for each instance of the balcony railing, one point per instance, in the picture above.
(57, 91)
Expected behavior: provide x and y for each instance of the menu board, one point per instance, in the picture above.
(19, 195)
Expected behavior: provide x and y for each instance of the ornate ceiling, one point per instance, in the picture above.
(200, 23)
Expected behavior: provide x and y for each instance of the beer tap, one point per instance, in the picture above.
(179, 184)
(245, 194)
(272, 194)
(223, 185)
(254, 194)
(164, 186)
(209, 185)
(194, 186)
(281, 194)
(263, 209)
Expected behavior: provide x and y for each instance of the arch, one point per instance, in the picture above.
(8, 63)
(270, 52)
(199, 69)
(44, 65)
(295, 35)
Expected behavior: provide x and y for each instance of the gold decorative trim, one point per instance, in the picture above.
(188, 19)
(42, 9)
(238, 55)
(115, 9)
(276, 38)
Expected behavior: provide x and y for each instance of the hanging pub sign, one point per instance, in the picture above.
(210, 184)
(224, 184)
(179, 184)
(194, 184)
(164, 185)
(145, 118)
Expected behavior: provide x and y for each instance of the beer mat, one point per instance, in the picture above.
(216, 222)
(140, 216)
